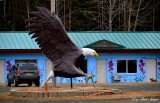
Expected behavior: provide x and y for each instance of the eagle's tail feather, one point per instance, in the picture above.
(51, 75)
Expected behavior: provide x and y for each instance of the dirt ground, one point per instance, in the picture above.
(126, 92)
(124, 95)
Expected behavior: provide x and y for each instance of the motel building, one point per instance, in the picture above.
(132, 56)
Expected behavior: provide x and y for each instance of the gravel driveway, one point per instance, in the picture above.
(123, 86)
(141, 100)
(135, 86)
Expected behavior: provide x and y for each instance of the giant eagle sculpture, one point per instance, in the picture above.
(51, 36)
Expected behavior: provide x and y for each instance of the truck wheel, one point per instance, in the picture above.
(30, 84)
(15, 83)
(8, 83)
(37, 83)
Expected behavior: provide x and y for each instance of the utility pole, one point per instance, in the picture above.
(54, 78)
(53, 6)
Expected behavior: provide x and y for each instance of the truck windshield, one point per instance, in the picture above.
(28, 67)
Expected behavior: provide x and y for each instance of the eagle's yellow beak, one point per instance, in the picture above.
(95, 54)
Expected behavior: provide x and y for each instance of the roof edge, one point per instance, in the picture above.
(89, 32)
(14, 31)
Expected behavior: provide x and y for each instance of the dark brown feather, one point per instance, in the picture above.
(51, 36)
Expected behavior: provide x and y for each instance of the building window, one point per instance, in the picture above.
(126, 66)
(25, 61)
(83, 66)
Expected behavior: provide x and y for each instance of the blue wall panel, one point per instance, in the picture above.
(158, 68)
(10, 60)
(140, 76)
(91, 69)
(111, 66)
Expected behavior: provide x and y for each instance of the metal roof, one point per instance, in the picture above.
(17, 40)
(130, 40)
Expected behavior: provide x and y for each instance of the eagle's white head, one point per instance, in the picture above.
(89, 52)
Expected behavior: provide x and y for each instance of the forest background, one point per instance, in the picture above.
(86, 15)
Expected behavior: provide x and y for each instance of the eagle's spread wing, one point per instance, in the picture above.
(51, 36)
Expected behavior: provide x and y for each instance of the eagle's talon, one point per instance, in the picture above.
(89, 76)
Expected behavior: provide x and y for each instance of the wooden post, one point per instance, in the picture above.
(54, 82)
(46, 86)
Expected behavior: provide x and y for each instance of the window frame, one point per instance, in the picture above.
(84, 68)
(17, 61)
(127, 66)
